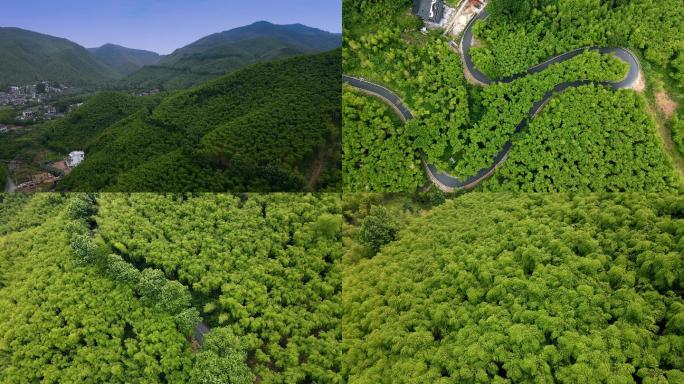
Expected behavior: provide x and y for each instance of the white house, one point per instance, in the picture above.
(75, 158)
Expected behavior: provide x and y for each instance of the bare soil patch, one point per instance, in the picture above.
(640, 83)
(665, 104)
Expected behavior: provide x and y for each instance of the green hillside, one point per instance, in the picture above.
(29, 56)
(124, 60)
(89, 120)
(225, 52)
(270, 127)
(518, 288)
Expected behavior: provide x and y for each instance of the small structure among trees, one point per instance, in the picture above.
(429, 10)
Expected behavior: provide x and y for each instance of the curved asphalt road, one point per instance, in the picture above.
(447, 182)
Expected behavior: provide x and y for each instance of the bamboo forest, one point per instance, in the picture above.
(148, 288)
(532, 95)
(376, 192)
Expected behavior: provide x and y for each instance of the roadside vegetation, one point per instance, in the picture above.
(461, 127)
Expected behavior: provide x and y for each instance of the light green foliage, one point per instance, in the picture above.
(580, 142)
(495, 288)
(221, 360)
(552, 27)
(64, 323)
(506, 105)
(264, 266)
(461, 128)
(378, 154)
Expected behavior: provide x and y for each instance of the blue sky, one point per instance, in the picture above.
(160, 25)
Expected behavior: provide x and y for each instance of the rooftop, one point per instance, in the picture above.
(429, 10)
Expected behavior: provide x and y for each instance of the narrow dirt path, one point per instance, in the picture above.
(318, 167)
(665, 135)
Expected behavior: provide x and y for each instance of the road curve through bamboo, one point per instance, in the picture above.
(450, 183)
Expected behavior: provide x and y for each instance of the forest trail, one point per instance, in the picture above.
(449, 183)
(318, 167)
(665, 135)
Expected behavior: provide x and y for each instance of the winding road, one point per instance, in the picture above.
(450, 183)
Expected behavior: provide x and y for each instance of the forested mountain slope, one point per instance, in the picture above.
(265, 128)
(79, 127)
(225, 52)
(29, 56)
(496, 288)
(124, 60)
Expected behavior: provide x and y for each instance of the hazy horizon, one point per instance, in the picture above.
(161, 26)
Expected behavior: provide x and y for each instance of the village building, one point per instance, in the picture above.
(75, 158)
(429, 10)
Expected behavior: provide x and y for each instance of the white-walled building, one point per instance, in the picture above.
(75, 158)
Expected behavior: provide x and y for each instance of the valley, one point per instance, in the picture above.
(124, 111)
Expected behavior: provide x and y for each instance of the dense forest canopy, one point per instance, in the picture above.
(266, 267)
(114, 288)
(501, 288)
(461, 127)
(64, 322)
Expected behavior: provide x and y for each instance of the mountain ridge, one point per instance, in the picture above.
(123, 59)
(29, 56)
(223, 52)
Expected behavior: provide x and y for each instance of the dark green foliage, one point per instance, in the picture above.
(85, 249)
(222, 53)
(4, 174)
(498, 288)
(150, 285)
(264, 266)
(377, 229)
(677, 125)
(371, 13)
(124, 60)
(120, 270)
(79, 128)
(174, 297)
(29, 56)
(187, 319)
(515, 9)
(259, 129)
(221, 360)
